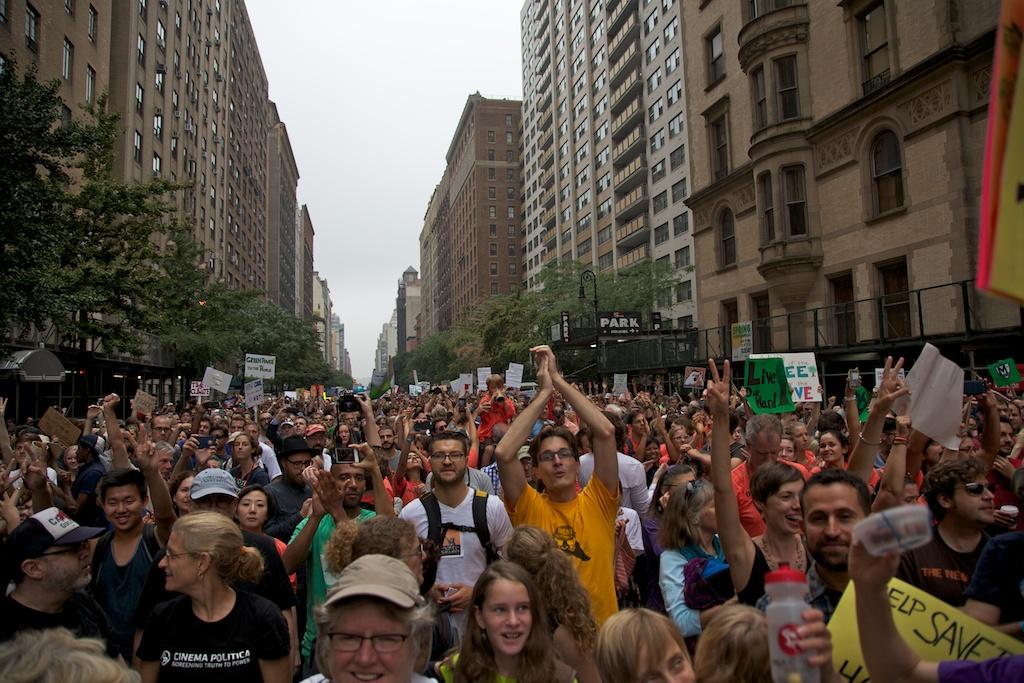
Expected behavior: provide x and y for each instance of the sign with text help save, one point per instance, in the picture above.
(619, 323)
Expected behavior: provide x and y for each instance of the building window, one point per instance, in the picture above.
(583, 248)
(142, 8)
(510, 155)
(887, 173)
(161, 35)
(90, 84)
(681, 224)
(675, 92)
(494, 286)
(672, 62)
(158, 126)
(69, 7)
(156, 164)
(726, 240)
(604, 261)
(679, 191)
(137, 148)
(604, 234)
(786, 87)
(511, 212)
(671, 30)
(760, 98)
(510, 193)
(660, 202)
(684, 291)
(720, 147)
(141, 50)
(651, 22)
(655, 110)
(658, 140)
(658, 171)
(661, 234)
(68, 61)
(158, 82)
(492, 212)
(508, 120)
(654, 80)
(874, 47)
(511, 230)
(796, 200)
(714, 46)
(653, 49)
(92, 23)
(683, 257)
(138, 97)
(508, 138)
(31, 28)
(675, 125)
(493, 248)
(493, 267)
(764, 188)
(895, 299)
(678, 157)
(491, 173)
(492, 193)
(493, 229)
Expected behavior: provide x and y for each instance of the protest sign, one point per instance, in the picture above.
(936, 391)
(934, 630)
(694, 377)
(878, 375)
(619, 383)
(143, 403)
(56, 426)
(767, 388)
(260, 367)
(481, 378)
(253, 392)
(198, 389)
(291, 394)
(415, 390)
(514, 376)
(801, 373)
(215, 379)
(863, 402)
(464, 384)
(1004, 372)
(742, 340)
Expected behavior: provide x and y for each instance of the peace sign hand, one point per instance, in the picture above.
(718, 387)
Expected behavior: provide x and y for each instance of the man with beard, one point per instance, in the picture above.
(47, 557)
(833, 501)
(336, 494)
(290, 491)
(387, 452)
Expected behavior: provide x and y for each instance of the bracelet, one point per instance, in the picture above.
(870, 443)
(850, 398)
(899, 440)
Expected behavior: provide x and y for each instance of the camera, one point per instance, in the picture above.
(344, 455)
(347, 403)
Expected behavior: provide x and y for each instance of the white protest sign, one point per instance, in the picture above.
(291, 394)
(198, 389)
(464, 384)
(261, 367)
(801, 373)
(143, 403)
(215, 379)
(415, 390)
(742, 340)
(936, 390)
(619, 383)
(514, 376)
(253, 392)
(878, 375)
(481, 378)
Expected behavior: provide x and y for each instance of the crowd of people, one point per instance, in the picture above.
(567, 535)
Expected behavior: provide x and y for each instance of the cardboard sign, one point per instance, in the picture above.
(694, 377)
(198, 389)
(215, 379)
(514, 376)
(481, 378)
(1004, 372)
(619, 383)
(767, 388)
(934, 630)
(56, 426)
(742, 340)
(143, 403)
(253, 392)
(801, 373)
(260, 367)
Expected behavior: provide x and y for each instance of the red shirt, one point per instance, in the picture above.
(750, 518)
(491, 413)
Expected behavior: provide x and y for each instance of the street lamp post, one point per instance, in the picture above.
(584, 276)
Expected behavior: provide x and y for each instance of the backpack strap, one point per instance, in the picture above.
(100, 553)
(483, 532)
(435, 531)
(150, 543)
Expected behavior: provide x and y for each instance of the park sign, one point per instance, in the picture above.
(619, 323)
(259, 367)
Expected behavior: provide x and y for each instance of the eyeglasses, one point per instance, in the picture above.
(549, 456)
(976, 489)
(453, 455)
(384, 643)
(171, 555)
(300, 463)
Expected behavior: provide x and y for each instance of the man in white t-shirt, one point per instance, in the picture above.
(463, 557)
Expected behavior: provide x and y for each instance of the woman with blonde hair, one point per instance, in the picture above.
(639, 645)
(57, 656)
(212, 632)
(573, 627)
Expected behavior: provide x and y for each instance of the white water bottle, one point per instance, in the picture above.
(787, 588)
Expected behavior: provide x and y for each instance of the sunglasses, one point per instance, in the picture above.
(976, 489)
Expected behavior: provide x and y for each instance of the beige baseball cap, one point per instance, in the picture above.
(377, 576)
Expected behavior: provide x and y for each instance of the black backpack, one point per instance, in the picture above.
(436, 530)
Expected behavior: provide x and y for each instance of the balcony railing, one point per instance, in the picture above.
(637, 255)
(630, 201)
(879, 81)
(631, 232)
(632, 113)
(634, 137)
(629, 31)
(634, 173)
(631, 86)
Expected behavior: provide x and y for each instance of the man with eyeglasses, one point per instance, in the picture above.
(47, 558)
(463, 556)
(581, 522)
(290, 491)
(961, 499)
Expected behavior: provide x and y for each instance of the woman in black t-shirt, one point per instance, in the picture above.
(211, 632)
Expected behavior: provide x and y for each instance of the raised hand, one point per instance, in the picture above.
(891, 388)
(110, 401)
(718, 387)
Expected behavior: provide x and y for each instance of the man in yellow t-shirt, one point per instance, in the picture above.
(582, 523)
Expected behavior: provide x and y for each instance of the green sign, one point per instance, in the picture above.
(767, 388)
(863, 403)
(1004, 372)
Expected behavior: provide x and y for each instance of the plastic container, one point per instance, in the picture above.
(901, 528)
(787, 589)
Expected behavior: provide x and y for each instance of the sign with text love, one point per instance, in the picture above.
(801, 373)
(215, 379)
(260, 367)
(767, 388)
(253, 392)
(934, 630)
(198, 389)
(514, 376)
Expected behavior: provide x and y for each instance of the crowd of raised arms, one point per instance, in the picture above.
(562, 534)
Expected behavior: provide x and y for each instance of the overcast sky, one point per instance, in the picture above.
(371, 94)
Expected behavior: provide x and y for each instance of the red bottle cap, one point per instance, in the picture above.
(785, 574)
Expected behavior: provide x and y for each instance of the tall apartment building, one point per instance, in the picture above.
(407, 308)
(304, 284)
(283, 215)
(837, 150)
(469, 245)
(338, 341)
(387, 345)
(323, 312)
(606, 169)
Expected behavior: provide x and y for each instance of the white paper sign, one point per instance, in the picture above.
(215, 379)
(258, 366)
(619, 383)
(253, 392)
(742, 340)
(464, 384)
(514, 376)
(291, 394)
(878, 375)
(198, 389)
(481, 378)
(801, 373)
(936, 389)
(415, 390)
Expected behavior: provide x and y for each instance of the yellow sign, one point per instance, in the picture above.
(934, 630)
